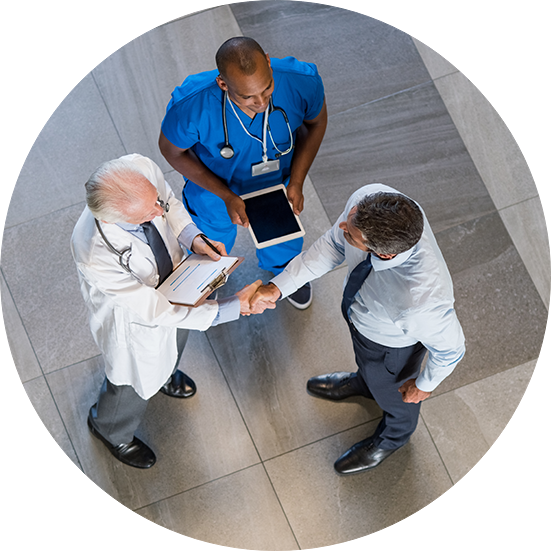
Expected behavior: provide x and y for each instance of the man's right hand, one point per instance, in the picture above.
(236, 210)
(265, 296)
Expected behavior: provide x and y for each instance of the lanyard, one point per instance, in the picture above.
(264, 129)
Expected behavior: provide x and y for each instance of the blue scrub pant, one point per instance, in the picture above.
(209, 214)
(381, 372)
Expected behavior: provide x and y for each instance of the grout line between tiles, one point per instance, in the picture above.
(480, 63)
(451, 481)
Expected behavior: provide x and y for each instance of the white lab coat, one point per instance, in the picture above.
(132, 323)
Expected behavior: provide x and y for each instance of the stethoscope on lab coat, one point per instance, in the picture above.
(227, 151)
(125, 254)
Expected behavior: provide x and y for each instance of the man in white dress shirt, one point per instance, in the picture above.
(398, 302)
(130, 236)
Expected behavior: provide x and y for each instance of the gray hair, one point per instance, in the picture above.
(391, 223)
(112, 190)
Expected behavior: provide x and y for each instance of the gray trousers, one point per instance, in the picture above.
(119, 410)
(381, 372)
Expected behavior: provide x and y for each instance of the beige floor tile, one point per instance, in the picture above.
(525, 223)
(43, 492)
(451, 35)
(499, 108)
(78, 137)
(349, 507)
(42, 277)
(100, 21)
(494, 439)
(240, 510)
(267, 359)
(20, 345)
(137, 80)
(195, 440)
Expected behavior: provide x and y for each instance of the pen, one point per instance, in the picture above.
(210, 244)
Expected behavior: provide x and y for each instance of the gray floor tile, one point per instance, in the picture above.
(454, 35)
(267, 360)
(78, 137)
(34, 33)
(359, 58)
(408, 142)
(350, 507)
(525, 223)
(43, 492)
(279, 350)
(20, 346)
(137, 80)
(195, 440)
(501, 109)
(240, 510)
(98, 22)
(501, 312)
(535, 541)
(41, 274)
(493, 438)
(95, 538)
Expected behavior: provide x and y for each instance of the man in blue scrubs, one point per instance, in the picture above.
(193, 141)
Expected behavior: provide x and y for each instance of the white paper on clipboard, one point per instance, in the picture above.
(196, 277)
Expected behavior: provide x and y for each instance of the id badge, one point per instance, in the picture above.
(265, 167)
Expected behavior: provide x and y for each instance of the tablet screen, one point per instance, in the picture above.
(271, 216)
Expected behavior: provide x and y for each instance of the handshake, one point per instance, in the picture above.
(256, 297)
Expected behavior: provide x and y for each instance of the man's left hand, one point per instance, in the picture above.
(295, 196)
(411, 394)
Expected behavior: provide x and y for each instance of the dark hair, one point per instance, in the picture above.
(238, 51)
(391, 223)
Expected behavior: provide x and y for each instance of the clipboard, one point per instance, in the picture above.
(271, 217)
(196, 277)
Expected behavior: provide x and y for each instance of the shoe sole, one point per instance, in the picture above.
(298, 305)
(322, 397)
(95, 433)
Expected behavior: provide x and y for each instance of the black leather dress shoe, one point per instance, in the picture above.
(333, 386)
(179, 386)
(362, 456)
(136, 453)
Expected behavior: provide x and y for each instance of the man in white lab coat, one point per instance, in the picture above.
(131, 234)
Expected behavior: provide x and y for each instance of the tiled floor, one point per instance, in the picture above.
(247, 462)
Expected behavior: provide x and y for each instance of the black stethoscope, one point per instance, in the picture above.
(227, 151)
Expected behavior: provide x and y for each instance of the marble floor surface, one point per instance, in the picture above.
(248, 461)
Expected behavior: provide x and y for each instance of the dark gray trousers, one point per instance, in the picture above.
(381, 372)
(119, 410)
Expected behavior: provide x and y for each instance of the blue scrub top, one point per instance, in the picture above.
(194, 120)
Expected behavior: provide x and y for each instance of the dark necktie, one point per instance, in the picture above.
(355, 281)
(164, 262)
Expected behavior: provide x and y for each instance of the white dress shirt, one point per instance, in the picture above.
(403, 300)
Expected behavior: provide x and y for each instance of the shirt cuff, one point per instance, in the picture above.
(229, 309)
(285, 283)
(187, 235)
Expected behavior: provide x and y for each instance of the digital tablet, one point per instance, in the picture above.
(271, 217)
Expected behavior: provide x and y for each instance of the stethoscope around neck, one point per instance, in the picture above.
(227, 151)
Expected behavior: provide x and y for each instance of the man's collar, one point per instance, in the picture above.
(379, 264)
(128, 227)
